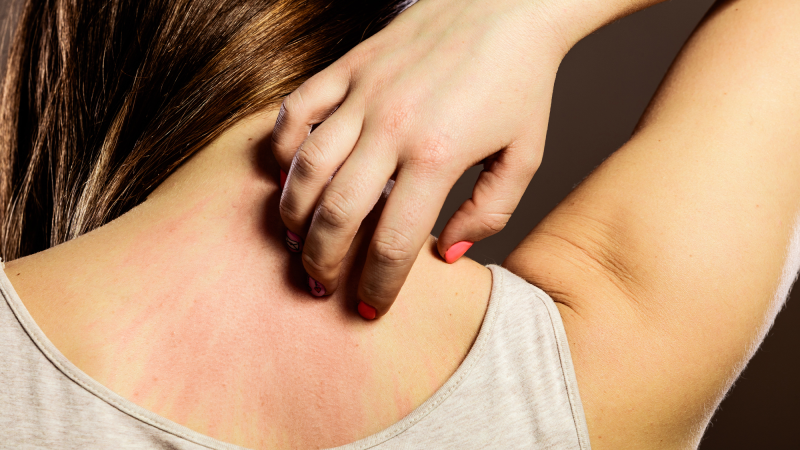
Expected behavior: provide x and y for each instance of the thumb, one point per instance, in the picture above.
(495, 196)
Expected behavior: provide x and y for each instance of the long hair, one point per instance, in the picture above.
(104, 99)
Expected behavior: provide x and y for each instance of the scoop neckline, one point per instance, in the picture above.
(76, 375)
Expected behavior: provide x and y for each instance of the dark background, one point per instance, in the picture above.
(603, 86)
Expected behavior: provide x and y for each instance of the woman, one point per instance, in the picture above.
(184, 323)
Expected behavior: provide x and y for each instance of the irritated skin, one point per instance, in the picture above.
(190, 306)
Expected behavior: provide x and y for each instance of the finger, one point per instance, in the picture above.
(314, 164)
(308, 105)
(343, 206)
(404, 226)
(496, 194)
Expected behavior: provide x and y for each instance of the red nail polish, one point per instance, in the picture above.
(456, 251)
(283, 179)
(294, 242)
(317, 289)
(366, 311)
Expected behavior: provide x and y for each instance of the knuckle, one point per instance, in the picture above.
(279, 147)
(294, 102)
(361, 55)
(280, 122)
(309, 160)
(392, 249)
(280, 139)
(434, 152)
(315, 265)
(375, 292)
(289, 212)
(376, 296)
(333, 210)
(397, 119)
(495, 222)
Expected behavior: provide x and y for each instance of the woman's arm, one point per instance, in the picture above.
(447, 85)
(672, 259)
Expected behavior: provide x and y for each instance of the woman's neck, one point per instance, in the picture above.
(191, 306)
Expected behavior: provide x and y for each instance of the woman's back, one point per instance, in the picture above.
(188, 307)
(515, 389)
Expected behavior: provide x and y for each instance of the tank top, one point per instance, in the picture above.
(515, 389)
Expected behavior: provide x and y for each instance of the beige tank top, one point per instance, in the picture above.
(515, 389)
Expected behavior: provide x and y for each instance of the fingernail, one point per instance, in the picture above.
(294, 242)
(283, 179)
(317, 289)
(456, 251)
(366, 311)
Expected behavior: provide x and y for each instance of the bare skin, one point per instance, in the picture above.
(446, 85)
(191, 306)
(669, 264)
(672, 259)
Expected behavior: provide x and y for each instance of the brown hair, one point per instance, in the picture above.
(104, 99)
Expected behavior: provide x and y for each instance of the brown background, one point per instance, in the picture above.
(602, 88)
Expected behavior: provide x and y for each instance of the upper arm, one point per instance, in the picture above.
(672, 259)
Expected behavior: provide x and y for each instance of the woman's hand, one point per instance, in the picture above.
(447, 85)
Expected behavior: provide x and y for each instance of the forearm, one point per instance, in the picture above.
(577, 19)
